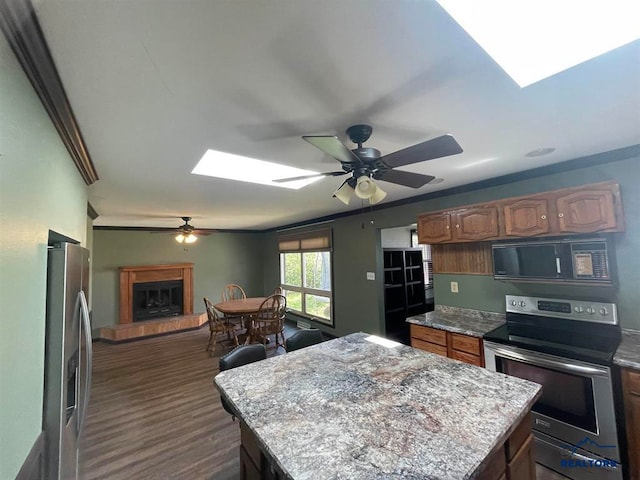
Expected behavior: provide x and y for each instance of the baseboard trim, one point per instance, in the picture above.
(33, 466)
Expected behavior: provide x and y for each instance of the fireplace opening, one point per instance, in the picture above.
(157, 299)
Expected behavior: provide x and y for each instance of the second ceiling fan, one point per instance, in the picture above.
(366, 164)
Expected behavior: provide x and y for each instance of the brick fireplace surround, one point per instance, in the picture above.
(130, 275)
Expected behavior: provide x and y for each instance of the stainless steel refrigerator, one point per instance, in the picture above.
(67, 358)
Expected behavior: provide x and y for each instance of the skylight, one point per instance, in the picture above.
(245, 169)
(534, 39)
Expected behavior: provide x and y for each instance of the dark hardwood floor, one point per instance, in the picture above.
(155, 414)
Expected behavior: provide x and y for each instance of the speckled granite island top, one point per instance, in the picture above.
(628, 353)
(459, 320)
(353, 409)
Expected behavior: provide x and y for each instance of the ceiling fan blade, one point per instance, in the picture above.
(408, 179)
(305, 177)
(435, 148)
(330, 145)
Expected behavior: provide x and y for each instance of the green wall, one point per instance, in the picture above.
(218, 259)
(40, 189)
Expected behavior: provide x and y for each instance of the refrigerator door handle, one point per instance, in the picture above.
(86, 327)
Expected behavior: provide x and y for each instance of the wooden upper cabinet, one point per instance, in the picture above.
(434, 228)
(588, 210)
(527, 217)
(476, 223)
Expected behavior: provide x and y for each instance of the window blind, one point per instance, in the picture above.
(314, 240)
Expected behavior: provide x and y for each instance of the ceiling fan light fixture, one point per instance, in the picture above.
(365, 187)
(344, 193)
(179, 238)
(191, 238)
(378, 196)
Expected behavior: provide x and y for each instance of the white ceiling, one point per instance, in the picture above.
(156, 83)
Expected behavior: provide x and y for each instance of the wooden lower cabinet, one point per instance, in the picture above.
(248, 469)
(522, 466)
(464, 348)
(631, 394)
(514, 459)
(254, 464)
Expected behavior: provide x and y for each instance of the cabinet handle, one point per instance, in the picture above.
(458, 226)
(543, 217)
(448, 227)
(561, 215)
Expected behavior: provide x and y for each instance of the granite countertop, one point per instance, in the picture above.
(353, 409)
(628, 353)
(459, 320)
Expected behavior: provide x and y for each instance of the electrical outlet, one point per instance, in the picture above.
(371, 276)
(454, 287)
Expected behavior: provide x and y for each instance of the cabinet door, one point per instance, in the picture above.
(527, 217)
(523, 466)
(478, 223)
(434, 228)
(633, 434)
(587, 211)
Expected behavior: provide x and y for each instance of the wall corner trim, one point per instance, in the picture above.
(20, 25)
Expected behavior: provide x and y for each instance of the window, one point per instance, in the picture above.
(305, 274)
(426, 259)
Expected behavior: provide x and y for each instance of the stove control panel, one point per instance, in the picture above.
(570, 309)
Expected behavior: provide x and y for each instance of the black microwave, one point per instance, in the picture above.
(583, 261)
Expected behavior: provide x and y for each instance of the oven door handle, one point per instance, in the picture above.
(541, 361)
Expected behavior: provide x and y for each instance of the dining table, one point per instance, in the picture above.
(243, 307)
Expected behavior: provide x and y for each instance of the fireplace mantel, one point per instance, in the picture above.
(154, 273)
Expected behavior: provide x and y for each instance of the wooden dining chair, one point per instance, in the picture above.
(234, 292)
(217, 327)
(269, 321)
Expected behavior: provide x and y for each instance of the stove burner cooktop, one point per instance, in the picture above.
(586, 331)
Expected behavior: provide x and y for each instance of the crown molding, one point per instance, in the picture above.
(20, 25)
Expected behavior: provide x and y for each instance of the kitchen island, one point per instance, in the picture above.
(352, 408)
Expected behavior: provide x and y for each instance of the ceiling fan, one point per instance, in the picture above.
(187, 233)
(366, 164)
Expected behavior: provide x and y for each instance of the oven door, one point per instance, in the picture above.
(576, 405)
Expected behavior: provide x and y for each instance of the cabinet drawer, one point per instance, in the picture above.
(465, 343)
(429, 347)
(467, 358)
(429, 334)
(632, 381)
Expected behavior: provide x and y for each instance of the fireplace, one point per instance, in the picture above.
(155, 291)
(156, 299)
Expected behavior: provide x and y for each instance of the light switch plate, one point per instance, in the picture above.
(371, 276)
(454, 287)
